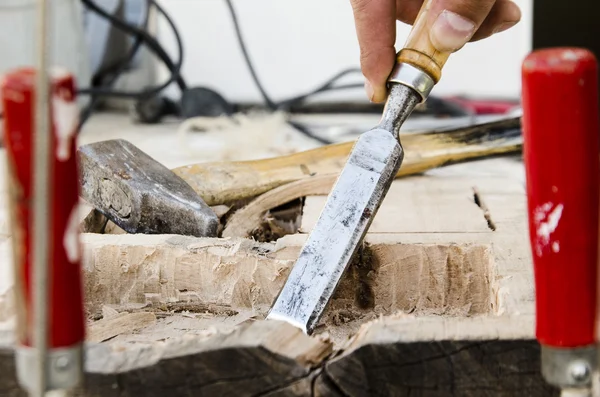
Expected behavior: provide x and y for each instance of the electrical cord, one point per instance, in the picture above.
(153, 45)
(434, 103)
(117, 69)
(143, 37)
(327, 86)
(121, 65)
(269, 102)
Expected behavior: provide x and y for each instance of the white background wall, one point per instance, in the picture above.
(295, 46)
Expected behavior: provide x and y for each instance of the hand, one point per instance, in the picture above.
(452, 23)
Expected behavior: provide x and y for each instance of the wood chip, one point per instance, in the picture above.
(246, 220)
(108, 312)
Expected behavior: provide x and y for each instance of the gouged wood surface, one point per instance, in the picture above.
(460, 272)
(239, 273)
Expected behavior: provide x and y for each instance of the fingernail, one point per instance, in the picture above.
(451, 31)
(503, 26)
(369, 90)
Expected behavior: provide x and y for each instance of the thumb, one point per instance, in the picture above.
(452, 23)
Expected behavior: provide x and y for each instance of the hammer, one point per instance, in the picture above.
(140, 195)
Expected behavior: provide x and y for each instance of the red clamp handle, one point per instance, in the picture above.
(561, 154)
(66, 305)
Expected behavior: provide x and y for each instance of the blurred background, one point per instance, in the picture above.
(260, 53)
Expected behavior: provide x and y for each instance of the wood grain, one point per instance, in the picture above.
(433, 278)
(258, 359)
(248, 363)
(443, 369)
(121, 323)
(418, 205)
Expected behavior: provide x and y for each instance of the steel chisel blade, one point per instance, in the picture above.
(345, 219)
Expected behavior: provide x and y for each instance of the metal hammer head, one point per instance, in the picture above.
(139, 194)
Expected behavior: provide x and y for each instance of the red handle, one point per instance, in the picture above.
(66, 306)
(561, 154)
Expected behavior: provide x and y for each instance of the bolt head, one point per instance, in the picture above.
(62, 363)
(580, 371)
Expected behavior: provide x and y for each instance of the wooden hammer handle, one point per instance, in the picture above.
(228, 182)
(419, 51)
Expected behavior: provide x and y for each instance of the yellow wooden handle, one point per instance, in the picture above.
(418, 49)
(230, 182)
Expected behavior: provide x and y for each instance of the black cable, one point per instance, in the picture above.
(123, 64)
(152, 44)
(327, 86)
(270, 103)
(452, 108)
(142, 36)
(242, 44)
(119, 66)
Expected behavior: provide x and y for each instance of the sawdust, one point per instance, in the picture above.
(256, 134)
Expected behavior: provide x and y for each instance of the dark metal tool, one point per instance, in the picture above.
(139, 194)
(361, 187)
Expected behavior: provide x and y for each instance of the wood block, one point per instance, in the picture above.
(437, 303)
(127, 270)
(430, 204)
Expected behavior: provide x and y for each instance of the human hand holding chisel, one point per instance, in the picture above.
(451, 24)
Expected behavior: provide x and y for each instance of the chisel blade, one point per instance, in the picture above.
(346, 217)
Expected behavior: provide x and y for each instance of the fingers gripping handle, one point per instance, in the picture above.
(419, 64)
(561, 153)
(419, 51)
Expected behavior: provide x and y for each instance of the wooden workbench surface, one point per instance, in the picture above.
(440, 303)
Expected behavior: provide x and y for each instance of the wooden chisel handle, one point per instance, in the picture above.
(419, 51)
(228, 182)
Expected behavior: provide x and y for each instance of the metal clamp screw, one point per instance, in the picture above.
(62, 363)
(579, 371)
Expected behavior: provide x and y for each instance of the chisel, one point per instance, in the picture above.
(561, 147)
(361, 186)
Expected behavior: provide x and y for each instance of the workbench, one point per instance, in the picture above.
(440, 301)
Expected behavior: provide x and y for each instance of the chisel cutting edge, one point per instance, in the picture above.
(361, 186)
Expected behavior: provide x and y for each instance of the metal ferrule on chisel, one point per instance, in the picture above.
(413, 77)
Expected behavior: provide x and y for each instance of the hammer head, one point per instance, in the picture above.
(139, 194)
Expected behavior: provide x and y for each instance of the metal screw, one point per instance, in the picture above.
(579, 371)
(62, 363)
